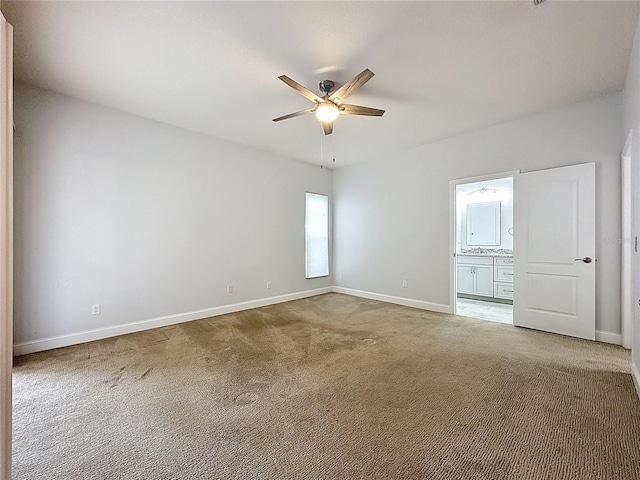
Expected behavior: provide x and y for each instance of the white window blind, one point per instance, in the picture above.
(317, 235)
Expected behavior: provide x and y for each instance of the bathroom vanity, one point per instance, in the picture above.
(488, 275)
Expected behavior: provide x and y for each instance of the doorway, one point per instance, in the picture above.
(483, 247)
(553, 238)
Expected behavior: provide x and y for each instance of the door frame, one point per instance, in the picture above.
(627, 307)
(6, 247)
(453, 271)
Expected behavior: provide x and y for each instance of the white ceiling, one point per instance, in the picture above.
(442, 68)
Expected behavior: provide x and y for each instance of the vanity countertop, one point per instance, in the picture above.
(486, 253)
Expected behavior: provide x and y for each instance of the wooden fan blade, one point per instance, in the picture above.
(328, 128)
(358, 110)
(302, 90)
(351, 86)
(295, 114)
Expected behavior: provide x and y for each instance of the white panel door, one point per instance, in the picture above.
(554, 250)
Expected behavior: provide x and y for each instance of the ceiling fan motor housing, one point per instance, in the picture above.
(327, 86)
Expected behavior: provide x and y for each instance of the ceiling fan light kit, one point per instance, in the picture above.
(327, 112)
(330, 106)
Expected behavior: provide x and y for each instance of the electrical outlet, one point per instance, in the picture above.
(95, 309)
(229, 288)
(268, 284)
(405, 283)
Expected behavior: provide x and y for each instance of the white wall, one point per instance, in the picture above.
(145, 219)
(632, 122)
(392, 216)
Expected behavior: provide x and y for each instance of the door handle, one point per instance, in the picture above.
(585, 260)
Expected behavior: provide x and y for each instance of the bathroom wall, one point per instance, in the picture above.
(504, 196)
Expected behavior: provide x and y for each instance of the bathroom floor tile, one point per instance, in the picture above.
(495, 312)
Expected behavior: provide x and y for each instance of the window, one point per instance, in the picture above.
(317, 235)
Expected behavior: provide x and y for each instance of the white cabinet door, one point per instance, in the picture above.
(484, 280)
(465, 279)
(554, 250)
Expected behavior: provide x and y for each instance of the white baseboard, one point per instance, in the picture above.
(101, 333)
(407, 302)
(106, 332)
(608, 337)
(635, 374)
(601, 335)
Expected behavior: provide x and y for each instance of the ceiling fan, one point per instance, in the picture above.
(328, 107)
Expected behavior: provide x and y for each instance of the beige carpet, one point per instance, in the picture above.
(328, 387)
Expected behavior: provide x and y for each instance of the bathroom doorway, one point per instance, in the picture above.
(483, 247)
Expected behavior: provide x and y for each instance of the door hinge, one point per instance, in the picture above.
(635, 244)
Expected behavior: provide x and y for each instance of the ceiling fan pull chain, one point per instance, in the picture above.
(333, 141)
(321, 155)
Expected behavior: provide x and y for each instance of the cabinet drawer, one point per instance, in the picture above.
(503, 261)
(470, 260)
(503, 290)
(503, 274)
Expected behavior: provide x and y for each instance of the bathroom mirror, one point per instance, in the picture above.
(483, 223)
